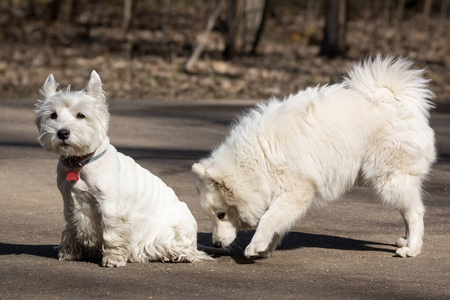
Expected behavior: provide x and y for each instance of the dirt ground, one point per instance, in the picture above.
(147, 63)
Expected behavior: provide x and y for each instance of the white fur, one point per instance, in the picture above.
(116, 209)
(310, 148)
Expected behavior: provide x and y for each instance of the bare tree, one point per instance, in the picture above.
(444, 8)
(259, 31)
(245, 24)
(387, 11)
(232, 23)
(127, 13)
(444, 26)
(211, 21)
(68, 10)
(426, 13)
(399, 13)
(31, 9)
(53, 9)
(165, 21)
(335, 28)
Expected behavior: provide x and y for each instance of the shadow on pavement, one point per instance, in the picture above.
(217, 113)
(296, 240)
(48, 251)
(293, 240)
(162, 153)
(135, 152)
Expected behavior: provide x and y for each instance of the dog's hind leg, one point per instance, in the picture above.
(285, 210)
(411, 244)
(403, 191)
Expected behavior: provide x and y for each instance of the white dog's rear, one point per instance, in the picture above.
(113, 207)
(284, 156)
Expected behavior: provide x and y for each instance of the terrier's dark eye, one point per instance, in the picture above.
(81, 116)
(54, 116)
(220, 216)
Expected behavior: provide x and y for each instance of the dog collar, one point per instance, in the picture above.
(77, 162)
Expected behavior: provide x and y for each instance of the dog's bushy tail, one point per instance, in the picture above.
(392, 80)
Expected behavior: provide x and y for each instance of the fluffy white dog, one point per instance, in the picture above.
(113, 207)
(284, 156)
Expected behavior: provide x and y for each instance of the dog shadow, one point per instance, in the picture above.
(296, 240)
(293, 240)
(47, 251)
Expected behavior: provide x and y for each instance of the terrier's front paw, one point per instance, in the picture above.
(69, 256)
(257, 250)
(111, 261)
(407, 252)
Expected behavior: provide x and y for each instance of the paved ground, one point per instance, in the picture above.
(342, 251)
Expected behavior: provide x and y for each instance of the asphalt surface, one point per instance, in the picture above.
(341, 251)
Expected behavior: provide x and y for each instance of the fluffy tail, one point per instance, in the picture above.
(392, 81)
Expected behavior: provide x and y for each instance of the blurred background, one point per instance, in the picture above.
(216, 49)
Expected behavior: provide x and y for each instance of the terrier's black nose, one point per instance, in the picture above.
(217, 244)
(63, 134)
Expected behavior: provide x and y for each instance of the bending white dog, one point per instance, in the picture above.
(282, 157)
(113, 207)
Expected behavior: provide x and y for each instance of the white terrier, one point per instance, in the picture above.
(113, 207)
(284, 156)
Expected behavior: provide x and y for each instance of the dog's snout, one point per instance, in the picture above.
(217, 244)
(63, 134)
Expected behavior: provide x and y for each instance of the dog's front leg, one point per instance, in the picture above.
(285, 210)
(116, 242)
(70, 248)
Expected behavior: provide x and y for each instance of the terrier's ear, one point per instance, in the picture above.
(49, 88)
(94, 87)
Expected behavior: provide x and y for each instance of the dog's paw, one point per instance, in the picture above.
(113, 262)
(68, 256)
(254, 250)
(250, 251)
(407, 252)
(401, 242)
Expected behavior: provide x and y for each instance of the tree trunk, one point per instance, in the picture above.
(165, 21)
(53, 9)
(127, 12)
(444, 8)
(335, 27)
(426, 13)
(68, 11)
(387, 11)
(260, 27)
(211, 21)
(230, 37)
(399, 13)
(31, 9)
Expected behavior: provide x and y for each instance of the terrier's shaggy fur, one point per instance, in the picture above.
(113, 207)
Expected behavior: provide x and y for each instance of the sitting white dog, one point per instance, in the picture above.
(284, 156)
(113, 207)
